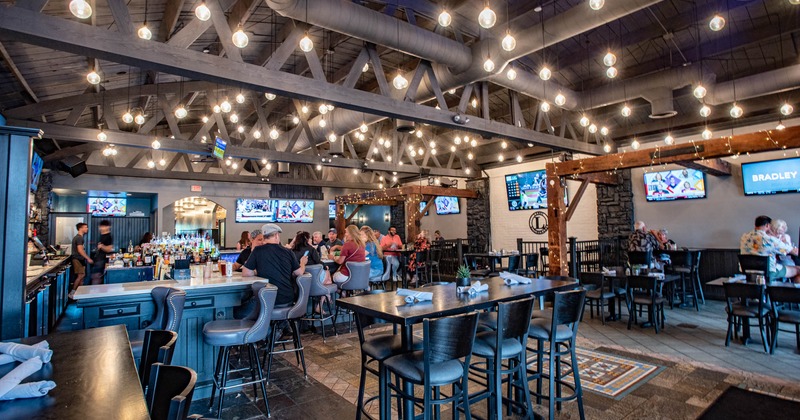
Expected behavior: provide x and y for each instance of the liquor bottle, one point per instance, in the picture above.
(139, 262)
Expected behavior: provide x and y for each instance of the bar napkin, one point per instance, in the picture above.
(29, 390)
(13, 378)
(476, 288)
(511, 279)
(413, 296)
(22, 352)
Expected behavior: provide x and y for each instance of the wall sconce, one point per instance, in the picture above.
(386, 217)
(361, 219)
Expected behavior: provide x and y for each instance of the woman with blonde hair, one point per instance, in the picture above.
(374, 252)
(353, 250)
(777, 228)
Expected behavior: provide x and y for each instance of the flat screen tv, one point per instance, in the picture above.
(250, 210)
(447, 205)
(528, 191)
(105, 206)
(332, 209)
(678, 184)
(36, 170)
(422, 205)
(219, 148)
(295, 211)
(771, 177)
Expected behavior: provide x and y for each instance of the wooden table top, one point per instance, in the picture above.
(391, 307)
(95, 378)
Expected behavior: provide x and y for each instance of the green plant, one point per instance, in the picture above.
(462, 272)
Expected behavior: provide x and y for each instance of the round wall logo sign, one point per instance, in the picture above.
(538, 222)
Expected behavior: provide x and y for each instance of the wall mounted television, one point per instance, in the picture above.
(677, 184)
(528, 191)
(36, 170)
(295, 211)
(771, 177)
(422, 205)
(250, 210)
(332, 209)
(105, 206)
(446, 205)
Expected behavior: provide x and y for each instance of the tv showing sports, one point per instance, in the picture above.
(446, 205)
(332, 209)
(771, 177)
(678, 184)
(219, 148)
(255, 210)
(295, 211)
(104, 206)
(36, 170)
(528, 191)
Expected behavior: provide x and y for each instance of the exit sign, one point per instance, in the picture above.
(197, 188)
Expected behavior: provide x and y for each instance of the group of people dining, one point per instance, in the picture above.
(769, 238)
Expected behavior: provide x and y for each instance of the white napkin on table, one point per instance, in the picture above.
(476, 288)
(21, 352)
(413, 296)
(511, 279)
(29, 390)
(13, 378)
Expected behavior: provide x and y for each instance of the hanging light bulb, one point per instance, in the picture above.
(151, 164)
(607, 148)
(488, 65)
(181, 112)
(736, 111)
(322, 123)
(264, 161)
(240, 38)
(794, 2)
(487, 18)
(474, 102)
(269, 166)
(363, 127)
(504, 145)
(420, 151)
(234, 118)
(457, 140)
(473, 143)
(202, 12)
(519, 158)
(239, 98)
(597, 4)
(707, 134)
(592, 128)
(716, 23)
(669, 140)
(508, 43)
(361, 136)
(228, 162)
(101, 136)
(511, 74)
(162, 162)
(216, 109)
(545, 107)
(319, 168)
(786, 108)
(144, 32)
(444, 19)
(412, 153)
(270, 96)
(365, 68)
(545, 73)
(225, 106)
(611, 72)
(332, 137)
(306, 44)
(323, 109)
(500, 157)
(80, 9)
(609, 59)
(257, 134)
(93, 78)
(584, 121)
(467, 171)
(604, 131)
(274, 134)
(330, 107)
(625, 111)
(295, 120)
(780, 126)
(705, 111)
(635, 144)
(700, 92)
(139, 119)
(452, 148)
(204, 119)
(155, 144)
(304, 110)
(399, 82)
(127, 117)
(470, 156)
(560, 99)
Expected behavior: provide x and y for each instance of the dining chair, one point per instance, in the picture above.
(754, 264)
(544, 256)
(447, 346)
(421, 267)
(643, 258)
(560, 332)
(474, 271)
(380, 281)
(782, 300)
(513, 264)
(169, 303)
(158, 347)
(317, 294)
(685, 263)
(531, 265)
(598, 292)
(169, 392)
(642, 291)
(358, 281)
(434, 262)
(745, 301)
(291, 315)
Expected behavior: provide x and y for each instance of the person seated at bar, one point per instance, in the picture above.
(302, 243)
(318, 242)
(778, 229)
(421, 244)
(759, 242)
(244, 241)
(255, 239)
(334, 243)
(389, 243)
(664, 242)
(641, 240)
(353, 250)
(275, 263)
(374, 252)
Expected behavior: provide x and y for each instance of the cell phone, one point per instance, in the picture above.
(305, 254)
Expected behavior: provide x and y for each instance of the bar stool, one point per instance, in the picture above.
(505, 342)
(317, 292)
(169, 392)
(445, 342)
(598, 293)
(291, 314)
(244, 332)
(560, 331)
(169, 303)
(357, 282)
(158, 347)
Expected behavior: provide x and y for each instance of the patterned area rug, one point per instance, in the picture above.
(611, 376)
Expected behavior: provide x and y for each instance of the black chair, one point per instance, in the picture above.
(433, 262)
(685, 263)
(474, 271)
(291, 315)
(531, 265)
(169, 303)
(317, 294)
(644, 258)
(544, 256)
(506, 341)
(446, 341)
(560, 331)
(158, 347)
(169, 392)
(422, 267)
(599, 292)
(782, 300)
(642, 291)
(229, 333)
(746, 301)
(755, 264)
(357, 282)
(513, 264)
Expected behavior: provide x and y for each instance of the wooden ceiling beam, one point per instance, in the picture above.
(716, 167)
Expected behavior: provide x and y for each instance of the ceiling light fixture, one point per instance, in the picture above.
(626, 111)
(127, 117)
(234, 118)
(304, 110)
(202, 12)
(508, 43)
(545, 107)
(399, 82)
(545, 73)
(363, 127)
(511, 74)
(504, 145)
(144, 32)
(240, 38)
(322, 123)
(155, 144)
(786, 108)
(473, 143)
(705, 111)
(467, 171)
(669, 140)
(93, 78)
(597, 4)
(151, 164)
(487, 18)
(274, 134)
(470, 156)
(611, 72)
(80, 9)
(700, 92)
(736, 111)
(780, 126)
(270, 96)
(444, 19)
(139, 118)
(488, 65)
(257, 134)
(592, 128)
(635, 144)
(225, 106)
(707, 134)
(295, 120)
(306, 44)
(716, 23)
(500, 157)
(204, 119)
(239, 98)
(323, 109)
(609, 59)
(560, 99)
(102, 136)
(181, 112)
(216, 109)
(584, 121)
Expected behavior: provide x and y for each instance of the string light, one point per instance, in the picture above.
(607, 148)
(296, 119)
(592, 128)
(216, 109)
(707, 134)
(635, 144)
(504, 145)
(322, 123)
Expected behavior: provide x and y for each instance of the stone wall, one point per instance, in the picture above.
(398, 214)
(479, 225)
(42, 203)
(615, 208)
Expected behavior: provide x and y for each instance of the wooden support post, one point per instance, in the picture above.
(340, 223)
(577, 198)
(355, 211)
(557, 223)
(412, 217)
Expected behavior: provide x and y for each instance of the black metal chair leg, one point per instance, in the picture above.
(224, 382)
(261, 379)
(577, 379)
(216, 378)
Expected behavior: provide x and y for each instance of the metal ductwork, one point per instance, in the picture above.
(283, 167)
(403, 126)
(773, 81)
(661, 104)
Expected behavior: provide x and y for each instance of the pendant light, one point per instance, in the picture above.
(611, 72)
(225, 106)
(597, 4)
(716, 23)
(239, 38)
(511, 74)
(584, 121)
(488, 65)
(240, 98)
(699, 92)
(604, 131)
(274, 134)
(93, 78)
(270, 96)
(155, 144)
(144, 31)
(234, 118)
(736, 111)
(306, 44)
(508, 43)
(487, 18)
(609, 59)
(202, 12)
(139, 118)
(444, 19)
(625, 111)
(607, 148)
(545, 107)
(399, 82)
(102, 136)
(705, 111)
(127, 117)
(669, 140)
(545, 73)
(707, 134)
(80, 9)
(635, 144)
(257, 134)
(181, 112)
(560, 99)
(786, 108)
